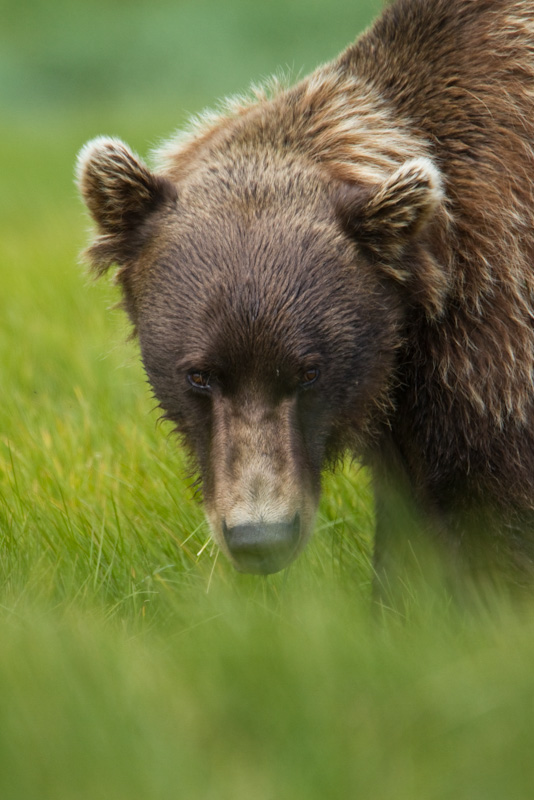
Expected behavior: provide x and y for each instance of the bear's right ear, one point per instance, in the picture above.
(120, 193)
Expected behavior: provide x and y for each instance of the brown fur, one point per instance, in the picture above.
(374, 222)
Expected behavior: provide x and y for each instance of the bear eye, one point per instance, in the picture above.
(309, 376)
(199, 380)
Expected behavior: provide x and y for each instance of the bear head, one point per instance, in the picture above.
(269, 300)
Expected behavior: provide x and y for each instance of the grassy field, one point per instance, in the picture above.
(134, 663)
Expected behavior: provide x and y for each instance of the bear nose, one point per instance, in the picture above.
(261, 547)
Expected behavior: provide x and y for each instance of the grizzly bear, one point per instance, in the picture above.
(347, 264)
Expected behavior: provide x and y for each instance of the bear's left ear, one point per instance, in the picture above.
(388, 221)
(120, 193)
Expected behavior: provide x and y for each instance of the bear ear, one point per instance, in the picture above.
(384, 217)
(388, 221)
(120, 193)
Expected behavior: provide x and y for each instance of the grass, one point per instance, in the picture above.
(134, 663)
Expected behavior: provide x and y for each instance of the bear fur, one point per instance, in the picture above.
(348, 265)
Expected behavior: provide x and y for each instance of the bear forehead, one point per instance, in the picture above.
(235, 219)
(252, 263)
(252, 180)
(240, 324)
(260, 266)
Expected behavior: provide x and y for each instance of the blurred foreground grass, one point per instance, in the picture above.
(310, 702)
(133, 661)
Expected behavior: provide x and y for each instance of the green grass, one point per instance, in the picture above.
(134, 662)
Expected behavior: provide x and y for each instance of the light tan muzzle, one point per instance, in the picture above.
(260, 503)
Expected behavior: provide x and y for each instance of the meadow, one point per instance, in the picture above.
(134, 662)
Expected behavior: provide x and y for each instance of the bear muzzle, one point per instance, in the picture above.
(262, 548)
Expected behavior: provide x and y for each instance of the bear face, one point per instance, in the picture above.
(269, 303)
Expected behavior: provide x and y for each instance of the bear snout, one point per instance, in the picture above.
(263, 547)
